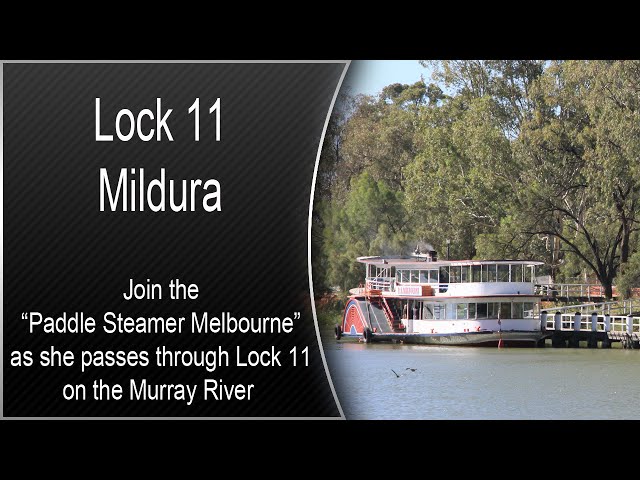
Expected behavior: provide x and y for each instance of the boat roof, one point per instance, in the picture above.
(424, 261)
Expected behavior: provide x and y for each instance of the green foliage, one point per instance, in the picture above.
(458, 184)
(407, 96)
(582, 185)
(508, 241)
(630, 277)
(519, 159)
(507, 83)
(379, 136)
(373, 221)
(331, 156)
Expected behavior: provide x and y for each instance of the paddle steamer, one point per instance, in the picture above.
(420, 299)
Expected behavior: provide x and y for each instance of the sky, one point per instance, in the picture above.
(370, 76)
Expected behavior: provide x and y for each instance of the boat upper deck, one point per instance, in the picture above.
(419, 260)
(424, 275)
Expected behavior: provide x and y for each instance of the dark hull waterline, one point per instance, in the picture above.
(479, 339)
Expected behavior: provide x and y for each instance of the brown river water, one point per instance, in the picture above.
(471, 383)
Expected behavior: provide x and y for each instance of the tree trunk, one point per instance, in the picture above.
(555, 257)
(607, 284)
(624, 244)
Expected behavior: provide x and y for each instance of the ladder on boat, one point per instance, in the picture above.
(378, 304)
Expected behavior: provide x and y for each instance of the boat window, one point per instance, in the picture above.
(427, 311)
(527, 273)
(528, 309)
(517, 311)
(424, 276)
(404, 274)
(485, 273)
(451, 311)
(481, 308)
(505, 310)
(472, 310)
(492, 272)
(438, 312)
(444, 274)
(414, 276)
(454, 275)
(433, 276)
(466, 273)
(416, 310)
(476, 273)
(516, 273)
(503, 273)
(492, 310)
(461, 311)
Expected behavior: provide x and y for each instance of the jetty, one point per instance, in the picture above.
(595, 324)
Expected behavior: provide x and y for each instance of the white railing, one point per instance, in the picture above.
(386, 284)
(570, 290)
(620, 307)
(587, 323)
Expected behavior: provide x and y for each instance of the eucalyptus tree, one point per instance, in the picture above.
(579, 158)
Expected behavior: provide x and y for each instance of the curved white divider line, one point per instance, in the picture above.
(313, 191)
